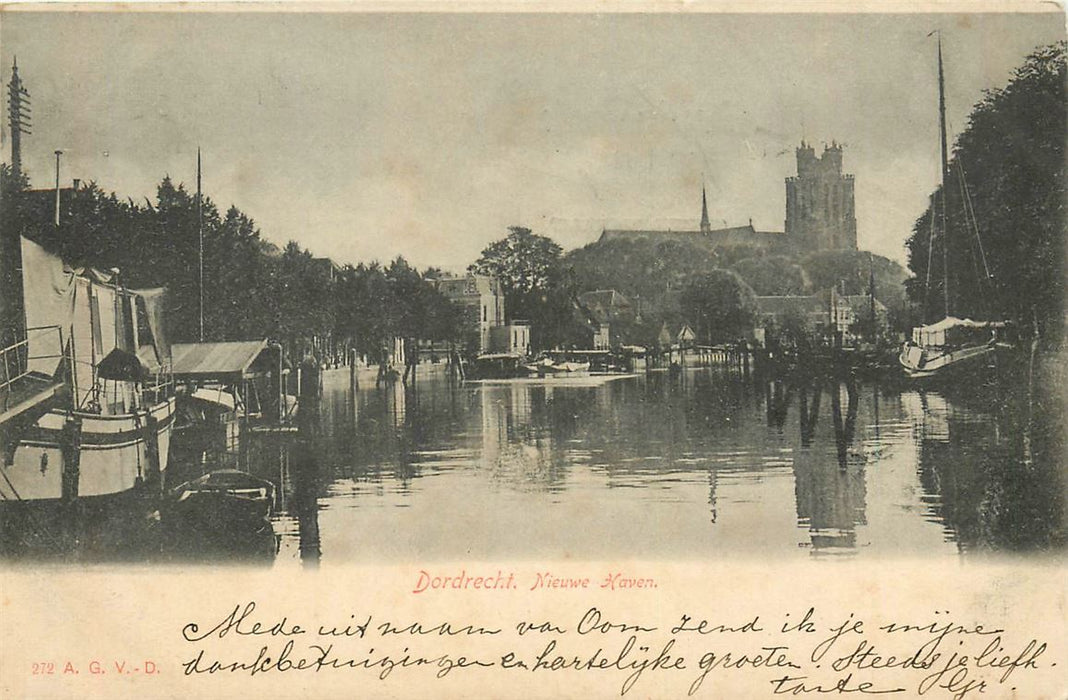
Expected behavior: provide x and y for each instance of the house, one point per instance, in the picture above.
(613, 311)
(685, 337)
(810, 312)
(827, 312)
(852, 315)
(592, 330)
(482, 300)
(512, 338)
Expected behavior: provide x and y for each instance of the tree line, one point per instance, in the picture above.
(252, 288)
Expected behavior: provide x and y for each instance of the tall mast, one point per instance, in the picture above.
(945, 169)
(200, 249)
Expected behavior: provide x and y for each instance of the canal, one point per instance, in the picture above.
(701, 465)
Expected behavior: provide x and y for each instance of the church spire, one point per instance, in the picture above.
(706, 227)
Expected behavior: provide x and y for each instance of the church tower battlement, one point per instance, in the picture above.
(820, 211)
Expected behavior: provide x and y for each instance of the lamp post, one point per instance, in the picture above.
(58, 154)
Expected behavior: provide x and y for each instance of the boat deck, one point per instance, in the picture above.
(25, 393)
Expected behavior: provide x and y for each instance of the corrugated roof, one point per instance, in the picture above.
(204, 359)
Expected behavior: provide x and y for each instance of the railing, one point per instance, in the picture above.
(16, 358)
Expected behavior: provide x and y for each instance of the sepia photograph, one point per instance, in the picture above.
(478, 296)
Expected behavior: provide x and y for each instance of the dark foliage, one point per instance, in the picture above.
(1006, 261)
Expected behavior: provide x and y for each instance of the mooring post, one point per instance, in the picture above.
(151, 433)
(70, 447)
(70, 438)
(354, 381)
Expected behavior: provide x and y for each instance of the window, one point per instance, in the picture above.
(483, 313)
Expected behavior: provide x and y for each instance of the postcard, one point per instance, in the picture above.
(533, 351)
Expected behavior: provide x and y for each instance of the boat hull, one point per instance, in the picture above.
(115, 454)
(222, 501)
(919, 364)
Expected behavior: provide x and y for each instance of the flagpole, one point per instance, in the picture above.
(200, 235)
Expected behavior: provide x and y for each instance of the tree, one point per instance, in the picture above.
(772, 275)
(650, 272)
(522, 261)
(536, 285)
(1008, 168)
(719, 305)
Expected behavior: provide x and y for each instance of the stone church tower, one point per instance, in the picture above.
(819, 202)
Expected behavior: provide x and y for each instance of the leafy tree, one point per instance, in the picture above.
(719, 305)
(772, 275)
(522, 261)
(1008, 167)
(650, 272)
(536, 285)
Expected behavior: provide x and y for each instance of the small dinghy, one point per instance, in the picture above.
(226, 498)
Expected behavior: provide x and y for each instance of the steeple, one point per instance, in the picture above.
(706, 227)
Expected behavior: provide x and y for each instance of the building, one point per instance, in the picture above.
(512, 338)
(731, 237)
(809, 312)
(827, 312)
(686, 338)
(819, 213)
(482, 300)
(819, 202)
(850, 312)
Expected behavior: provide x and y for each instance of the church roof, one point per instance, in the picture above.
(731, 236)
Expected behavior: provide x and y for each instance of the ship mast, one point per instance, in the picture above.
(945, 169)
(200, 248)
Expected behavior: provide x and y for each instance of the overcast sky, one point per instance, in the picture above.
(364, 136)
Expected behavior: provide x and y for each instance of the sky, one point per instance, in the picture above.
(365, 136)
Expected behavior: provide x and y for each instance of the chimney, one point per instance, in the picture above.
(77, 183)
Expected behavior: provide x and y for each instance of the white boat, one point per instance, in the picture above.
(107, 431)
(951, 346)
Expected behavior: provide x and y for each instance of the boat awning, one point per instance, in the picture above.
(216, 395)
(121, 365)
(953, 322)
(224, 361)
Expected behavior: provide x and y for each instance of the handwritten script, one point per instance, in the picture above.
(795, 652)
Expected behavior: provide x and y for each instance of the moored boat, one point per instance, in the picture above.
(951, 348)
(221, 500)
(107, 432)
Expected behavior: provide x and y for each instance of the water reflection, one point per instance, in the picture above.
(697, 464)
(694, 464)
(994, 484)
(831, 495)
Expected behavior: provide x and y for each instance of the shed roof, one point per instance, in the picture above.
(215, 360)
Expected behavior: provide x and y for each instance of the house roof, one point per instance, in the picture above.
(860, 302)
(605, 304)
(215, 360)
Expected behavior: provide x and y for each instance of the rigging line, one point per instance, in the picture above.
(975, 221)
(967, 222)
(930, 252)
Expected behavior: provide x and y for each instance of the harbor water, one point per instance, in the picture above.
(702, 464)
